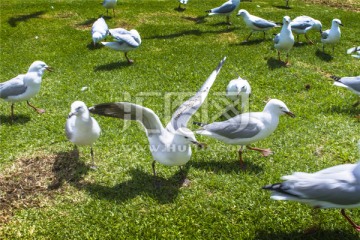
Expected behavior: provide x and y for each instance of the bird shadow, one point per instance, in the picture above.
(13, 21)
(18, 119)
(91, 46)
(251, 42)
(323, 56)
(295, 235)
(281, 7)
(301, 44)
(111, 66)
(274, 63)
(141, 183)
(68, 168)
(341, 109)
(179, 9)
(194, 32)
(227, 167)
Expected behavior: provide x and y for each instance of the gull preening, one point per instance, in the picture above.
(99, 30)
(247, 128)
(239, 89)
(256, 24)
(303, 24)
(82, 129)
(350, 83)
(109, 4)
(332, 36)
(171, 145)
(225, 9)
(125, 41)
(284, 40)
(355, 50)
(24, 86)
(334, 187)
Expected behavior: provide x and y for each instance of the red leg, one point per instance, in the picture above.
(264, 152)
(39, 110)
(357, 228)
(242, 164)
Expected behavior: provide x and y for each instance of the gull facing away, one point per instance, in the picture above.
(171, 145)
(24, 86)
(332, 35)
(355, 50)
(303, 24)
(334, 187)
(256, 24)
(82, 129)
(247, 128)
(239, 89)
(225, 9)
(125, 41)
(351, 83)
(99, 30)
(284, 40)
(109, 4)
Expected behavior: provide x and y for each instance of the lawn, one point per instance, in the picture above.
(48, 191)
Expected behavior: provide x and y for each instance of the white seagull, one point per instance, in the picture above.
(247, 128)
(334, 187)
(125, 41)
(171, 145)
(284, 40)
(225, 9)
(109, 4)
(351, 83)
(303, 24)
(239, 89)
(355, 50)
(99, 30)
(332, 35)
(24, 86)
(256, 24)
(82, 129)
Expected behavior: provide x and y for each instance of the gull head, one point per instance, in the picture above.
(337, 22)
(242, 12)
(186, 135)
(278, 107)
(286, 20)
(78, 108)
(39, 67)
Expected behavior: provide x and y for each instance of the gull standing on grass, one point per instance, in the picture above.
(226, 9)
(239, 89)
(24, 86)
(256, 24)
(171, 145)
(351, 83)
(332, 35)
(109, 4)
(82, 129)
(247, 128)
(99, 30)
(125, 41)
(334, 187)
(284, 40)
(303, 24)
(355, 50)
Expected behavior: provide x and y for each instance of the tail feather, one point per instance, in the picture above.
(208, 11)
(199, 124)
(280, 188)
(336, 78)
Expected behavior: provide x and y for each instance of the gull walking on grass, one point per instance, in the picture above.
(303, 24)
(225, 9)
(24, 86)
(351, 83)
(284, 40)
(239, 89)
(247, 128)
(99, 30)
(109, 4)
(171, 145)
(332, 35)
(82, 129)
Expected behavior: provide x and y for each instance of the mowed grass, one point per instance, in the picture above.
(61, 198)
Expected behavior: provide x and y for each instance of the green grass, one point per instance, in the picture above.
(119, 200)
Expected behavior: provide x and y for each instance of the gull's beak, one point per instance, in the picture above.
(50, 69)
(200, 145)
(71, 114)
(290, 114)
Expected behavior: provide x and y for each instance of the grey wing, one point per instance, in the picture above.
(225, 8)
(300, 25)
(128, 39)
(235, 128)
(130, 111)
(118, 31)
(262, 23)
(352, 82)
(325, 34)
(277, 38)
(184, 112)
(12, 87)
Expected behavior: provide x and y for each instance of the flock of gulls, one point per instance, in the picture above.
(334, 187)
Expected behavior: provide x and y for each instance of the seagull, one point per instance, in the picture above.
(332, 35)
(351, 83)
(24, 86)
(303, 24)
(239, 89)
(82, 129)
(171, 145)
(256, 24)
(125, 41)
(284, 40)
(334, 187)
(99, 30)
(108, 4)
(184, 2)
(226, 9)
(354, 50)
(247, 128)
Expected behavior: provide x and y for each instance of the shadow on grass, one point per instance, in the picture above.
(179, 9)
(343, 109)
(301, 44)
(98, 45)
(282, 7)
(13, 21)
(252, 42)
(323, 56)
(141, 183)
(194, 32)
(18, 119)
(227, 167)
(274, 63)
(320, 234)
(112, 66)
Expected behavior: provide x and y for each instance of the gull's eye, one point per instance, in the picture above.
(186, 137)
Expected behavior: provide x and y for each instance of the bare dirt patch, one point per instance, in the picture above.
(351, 5)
